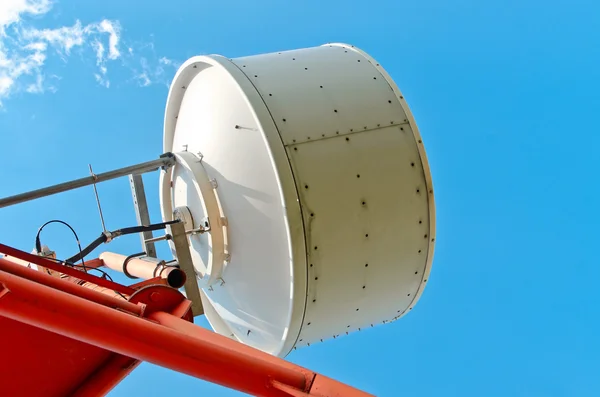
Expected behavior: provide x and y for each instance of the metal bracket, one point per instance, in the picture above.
(141, 212)
(184, 258)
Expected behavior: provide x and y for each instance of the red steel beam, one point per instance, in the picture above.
(70, 288)
(41, 261)
(110, 374)
(176, 344)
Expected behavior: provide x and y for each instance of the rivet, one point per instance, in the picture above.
(293, 140)
(305, 68)
(337, 132)
(392, 122)
(306, 186)
(420, 141)
(425, 280)
(321, 86)
(364, 203)
(356, 309)
(195, 66)
(425, 236)
(308, 324)
(323, 135)
(412, 164)
(293, 59)
(347, 139)
(408, 295)
(419, 251)
(255, 75)
(420, 222)
(367, 235)
(358, 175)
(348, 326)
(314, 300)
(311, 265)
(374, 78)
(365, 127)
(358, 60)
(284, 120)
(270, 94)
(415, 272)
(335, 110)
(389, 101)
(401, 129)
(364, 286)
(295, 148)
(378, 125)
(366, 265)
(307, 137)
(316, 247)
(432, 240)
(312, 215)
(351, 129)
(401, 97)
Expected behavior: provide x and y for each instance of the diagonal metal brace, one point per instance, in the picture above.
(184, 258)
(141, 212)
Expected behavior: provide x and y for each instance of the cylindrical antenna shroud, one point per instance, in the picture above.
(324, 189)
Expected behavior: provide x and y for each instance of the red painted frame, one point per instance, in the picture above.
(62, 339)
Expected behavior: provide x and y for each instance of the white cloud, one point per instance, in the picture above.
(11, 11)
(24, 49)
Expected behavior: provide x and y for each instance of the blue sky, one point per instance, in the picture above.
(506, 98)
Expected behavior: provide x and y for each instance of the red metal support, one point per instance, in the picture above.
(121, 338)
(57, 267)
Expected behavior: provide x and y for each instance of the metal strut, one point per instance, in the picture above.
(166, 160)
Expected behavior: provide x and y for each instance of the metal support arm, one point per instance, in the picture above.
(166, 160)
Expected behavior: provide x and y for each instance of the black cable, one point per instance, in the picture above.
(126, 261)
(120, 232)
(38, 243)
(82, 254)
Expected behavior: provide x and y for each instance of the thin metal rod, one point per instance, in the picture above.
(97, 198)
(157, 239)
(166, 160)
